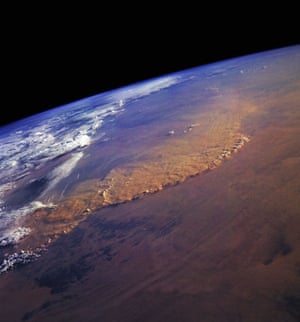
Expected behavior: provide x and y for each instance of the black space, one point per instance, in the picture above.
(53, 58)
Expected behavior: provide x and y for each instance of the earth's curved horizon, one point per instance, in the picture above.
(174, 199)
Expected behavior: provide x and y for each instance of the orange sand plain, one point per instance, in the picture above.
(196, 144)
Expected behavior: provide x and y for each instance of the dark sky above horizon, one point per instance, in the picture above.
(49, 64)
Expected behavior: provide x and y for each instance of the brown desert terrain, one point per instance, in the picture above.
(199, 221)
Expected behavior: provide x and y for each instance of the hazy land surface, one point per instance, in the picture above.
(223, 245)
